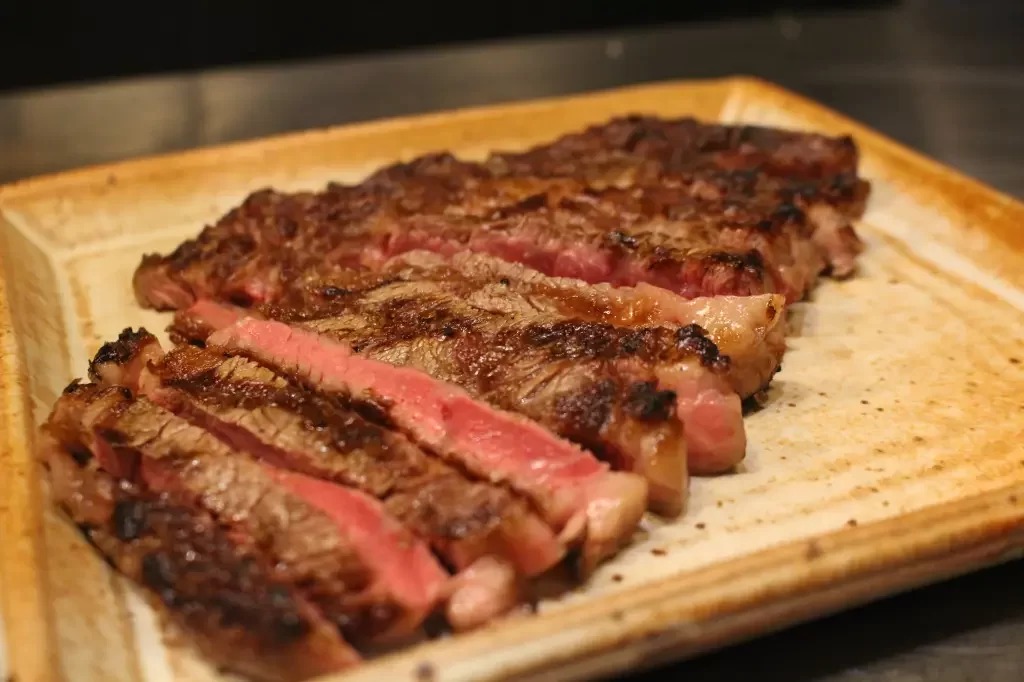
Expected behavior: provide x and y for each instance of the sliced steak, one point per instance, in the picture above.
(247, 248)
(259, 411)
(643, 232)
(648, 180)
(815, 172)
(750, 330)
(368, 576)
(574, 492)
(700, 209)
(221, 589)
(693, 257)
(620, 392)
(623, 394)
(567, 242)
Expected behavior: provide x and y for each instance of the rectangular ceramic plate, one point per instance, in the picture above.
(890, 453)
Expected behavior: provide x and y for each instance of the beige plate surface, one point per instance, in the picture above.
(890, 454)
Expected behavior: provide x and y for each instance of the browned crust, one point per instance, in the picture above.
(126, 347)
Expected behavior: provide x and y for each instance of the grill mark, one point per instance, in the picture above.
(404, 318)
(118, 352)
(197, 572)
(694, 339)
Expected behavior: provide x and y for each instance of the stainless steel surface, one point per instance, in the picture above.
(944, 77)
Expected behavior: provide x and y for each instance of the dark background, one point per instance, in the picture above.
(62, 41)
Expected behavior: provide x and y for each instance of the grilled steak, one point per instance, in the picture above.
(744, 166)
(475, 368)
(702, 210)
(651, 144)
(658, 235)
(748, 329)
(662, 233)
(359, 567)
(621, 393)
(218, 586)
(574, 492)
(249, 257)
(609, 388)
(737, 163)
(260, 411)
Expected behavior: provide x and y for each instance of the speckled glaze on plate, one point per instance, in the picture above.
(890, 454)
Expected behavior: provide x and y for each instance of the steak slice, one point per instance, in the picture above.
(700, 209)
(217, 586)
(601, 230)
(649, 180)
(261, 412)
(569, 241)
(624, 393)
(368, 576)
(245, 260)
(590, 506)
(749, 330)
(816, 172)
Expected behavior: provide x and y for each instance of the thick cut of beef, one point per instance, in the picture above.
(246, 259)
(217, 586)
(582, 242)
(623, 392)
(749, 330)
(244, 254)
(260, 411)
(659, 235)
(603, 232)
(353, 562)
(701, 209)
(816, 172)
(592, 508)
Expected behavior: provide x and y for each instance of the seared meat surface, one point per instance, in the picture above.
(720, 162)
(826, 165)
